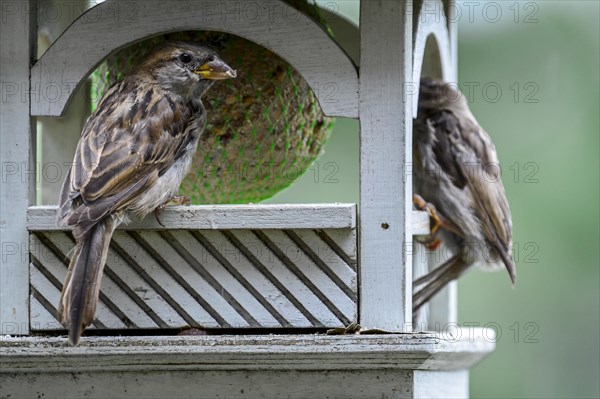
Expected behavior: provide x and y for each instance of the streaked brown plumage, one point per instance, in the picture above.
(134, 151)
(457, 171)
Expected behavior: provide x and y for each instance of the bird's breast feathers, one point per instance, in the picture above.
(133, 142)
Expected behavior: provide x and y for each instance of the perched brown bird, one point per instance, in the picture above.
(457, 180)
(134, 151)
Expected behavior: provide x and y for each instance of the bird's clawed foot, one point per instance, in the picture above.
(179, 200)
(175, 200)
(432, 242)
(437, 219)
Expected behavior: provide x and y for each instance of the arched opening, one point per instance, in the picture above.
(284, 147)
(432, 60)
(277, 26)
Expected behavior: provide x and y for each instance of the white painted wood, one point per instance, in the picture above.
(209, 278)
(453, 34)
(107, 318)
(210, 217)
(443, 307)
(331, 295)
(420, 223)
(386, 142)
(270, 23)
(210, 293)
(124, 272)
(246, 302)
(441, 384)
(58, 137)
(17, 174)
(48, 291)
(424, 365)
(441, 310)
(420, 268)
(256, 279)
(179, 294)
(432, 31)
(242, 384)
(296, 289)
(144, 289)
(342, 271)
(421, 351)
(214, 217)
(40, 312)
(58, 270)
(346, 241)
(345, 31)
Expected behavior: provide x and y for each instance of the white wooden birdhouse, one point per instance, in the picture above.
(266, 281)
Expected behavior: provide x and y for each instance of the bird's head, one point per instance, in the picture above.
(438, 95)
(185, 68)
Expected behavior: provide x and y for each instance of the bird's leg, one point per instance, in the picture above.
(432, 242)
(425, 287)
(174, 200)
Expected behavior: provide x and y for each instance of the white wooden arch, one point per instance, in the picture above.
(272, 24)
(432, 45)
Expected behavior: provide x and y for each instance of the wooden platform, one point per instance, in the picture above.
(243, 366)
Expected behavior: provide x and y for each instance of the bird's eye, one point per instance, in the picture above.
(185, 58)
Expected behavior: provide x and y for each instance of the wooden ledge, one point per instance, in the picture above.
(416, 351)
(229, 217)
(211, 217)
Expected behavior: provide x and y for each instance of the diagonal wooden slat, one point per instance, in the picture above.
(283, 248)
(246, 294)
(208, 278)
(176, 305)
(326, 259)
(280, 297)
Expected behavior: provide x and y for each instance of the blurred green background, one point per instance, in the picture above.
(544, 57)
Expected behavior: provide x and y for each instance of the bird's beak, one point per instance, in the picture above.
(216, 70)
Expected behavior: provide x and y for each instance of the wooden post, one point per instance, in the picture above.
(18, 32)
(58, 137)
(385, 111)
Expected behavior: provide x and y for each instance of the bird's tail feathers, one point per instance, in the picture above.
(80, 292)
(510, 266)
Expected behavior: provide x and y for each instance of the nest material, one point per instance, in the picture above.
(265, 128)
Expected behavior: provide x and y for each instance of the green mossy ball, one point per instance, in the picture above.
(265, 128)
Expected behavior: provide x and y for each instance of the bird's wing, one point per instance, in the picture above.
(134, 135)
(467, 155)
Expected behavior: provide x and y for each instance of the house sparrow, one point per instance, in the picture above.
(134, 151)
(457, 180)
